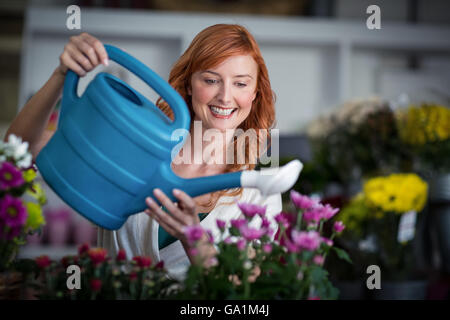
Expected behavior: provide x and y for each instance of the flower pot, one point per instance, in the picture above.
(440, 211)
(10, 285)
(401, 290)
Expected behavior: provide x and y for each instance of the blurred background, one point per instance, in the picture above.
(347, 99)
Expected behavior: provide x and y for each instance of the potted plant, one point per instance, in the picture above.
(250, 266)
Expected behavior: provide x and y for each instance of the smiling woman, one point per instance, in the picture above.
(224, 81)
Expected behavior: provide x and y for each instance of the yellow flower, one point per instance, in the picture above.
(38, 193)
(29, 175)
(396, 193)
(35, 218)
(419, 125)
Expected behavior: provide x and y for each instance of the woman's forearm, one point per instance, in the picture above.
(31, 121)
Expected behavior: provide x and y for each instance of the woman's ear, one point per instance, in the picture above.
(254, 95)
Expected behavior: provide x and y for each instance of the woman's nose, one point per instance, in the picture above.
(224, 95)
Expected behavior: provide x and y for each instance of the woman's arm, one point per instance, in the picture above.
(31, 121)
(81, 54)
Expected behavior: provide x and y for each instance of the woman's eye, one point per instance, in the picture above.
(210, 81)
(239, 84)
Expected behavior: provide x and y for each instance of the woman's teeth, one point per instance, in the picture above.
(221, 111)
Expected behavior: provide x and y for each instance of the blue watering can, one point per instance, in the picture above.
(113, 147)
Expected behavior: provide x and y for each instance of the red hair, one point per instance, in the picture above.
(208, 49)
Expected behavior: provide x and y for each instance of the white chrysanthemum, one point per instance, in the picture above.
(17, 150)
(25, 162)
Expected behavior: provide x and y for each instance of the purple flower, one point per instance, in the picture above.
(285, 219)
(10, 176)
(319, 212)
(313, 216)
(327, 241)
(193, 233)
(251, 234)
(309, 240)
(319, 259)
(328, 211)
(210, 236)
(338, 226)
(221, 224)
(291, 246)
(241, 244)
(238, 223)
(265, 223)
(12, 211)
(228, 240)
(268, 231)
(267, 248)
(250, 210)
(301, 201)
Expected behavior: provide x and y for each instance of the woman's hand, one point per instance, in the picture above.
(82, 54)
(179, 215)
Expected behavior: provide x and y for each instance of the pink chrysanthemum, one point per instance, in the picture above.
(250, 210)
(10, 176)
(302, 201)
(193, 233)
(12, 211)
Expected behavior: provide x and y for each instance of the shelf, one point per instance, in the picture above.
(53, 252)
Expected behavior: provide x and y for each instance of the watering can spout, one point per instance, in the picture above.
(268, 181)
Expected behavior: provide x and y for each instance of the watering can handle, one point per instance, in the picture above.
(173, 98)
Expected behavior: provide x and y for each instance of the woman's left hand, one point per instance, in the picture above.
(179, 215)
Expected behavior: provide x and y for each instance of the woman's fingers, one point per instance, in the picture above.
(85, 47)
(98, 47)
(162, 222)
(163, 218)
(166, 202)
(186, 201)
(82, 54)
(68, 63)
(79, 57)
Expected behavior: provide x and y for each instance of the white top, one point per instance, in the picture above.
(139, 235)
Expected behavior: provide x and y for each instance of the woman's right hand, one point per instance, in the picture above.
(82, 54)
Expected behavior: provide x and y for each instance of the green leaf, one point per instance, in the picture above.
(342, 254)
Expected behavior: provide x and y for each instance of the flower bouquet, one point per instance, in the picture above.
(21, 199)
(251, 266)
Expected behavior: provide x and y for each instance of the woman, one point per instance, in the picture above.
(224, 81)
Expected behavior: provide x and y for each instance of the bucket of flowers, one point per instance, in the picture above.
(249, 265)
(21, 199)
(381, 224)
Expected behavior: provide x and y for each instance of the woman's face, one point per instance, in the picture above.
(222, 96)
